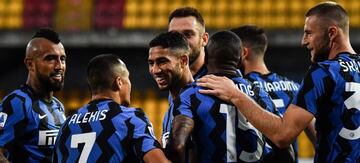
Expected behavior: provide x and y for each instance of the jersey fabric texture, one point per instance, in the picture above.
(281, 90)
(331, 92)
(221, 133)
(29, 125)
(104, 131)
(168, 117)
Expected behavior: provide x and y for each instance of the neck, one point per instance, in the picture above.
(198, 63)
(186, 79)
(106, 94)
(340, 46)
(255, 66)
(38, 89)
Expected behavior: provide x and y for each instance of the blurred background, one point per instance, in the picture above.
(124, 27)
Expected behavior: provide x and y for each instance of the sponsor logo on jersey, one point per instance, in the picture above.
(3, 117)
(47, 137)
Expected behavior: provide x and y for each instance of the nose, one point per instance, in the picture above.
(304, 41)
(59, 64)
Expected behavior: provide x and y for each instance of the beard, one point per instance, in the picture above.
(48, 84)
(324, 50)
(194, 55)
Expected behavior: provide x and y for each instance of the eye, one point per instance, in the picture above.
(188, 34)
(50, 58)
(63, 58)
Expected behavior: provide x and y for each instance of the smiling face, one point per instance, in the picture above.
(47, 64)
(194, 32)
(316, 39)
(164, 67)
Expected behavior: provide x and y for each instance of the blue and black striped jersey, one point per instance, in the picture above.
(29, 125)
(104, 131)
(221, 132)
(202, 72)
(331, 92)
(168, 117)
(281, 90)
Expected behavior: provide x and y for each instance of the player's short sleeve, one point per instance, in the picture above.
(12, 120)
(182, 104)
(143, 134)
(314, 89)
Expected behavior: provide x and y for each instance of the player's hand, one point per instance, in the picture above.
(221, 87)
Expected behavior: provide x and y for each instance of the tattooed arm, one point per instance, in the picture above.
(182, 127)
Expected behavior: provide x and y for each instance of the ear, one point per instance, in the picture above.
(333, 32)
(245, 53)
(184, 60)
(205, 39)
(118, 83)
(29, 64)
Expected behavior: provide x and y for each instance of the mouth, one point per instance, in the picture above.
(160, 80)
(57, 77)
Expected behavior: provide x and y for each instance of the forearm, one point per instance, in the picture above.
(271, 125)
(281, 131)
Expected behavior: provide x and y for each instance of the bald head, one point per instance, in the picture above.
(103, 69)
(330, 13)
(42, 40)
(38, 46)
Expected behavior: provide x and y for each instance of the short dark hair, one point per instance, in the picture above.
(48, 34)
(331, 11)
(102, 69)
(172, 40)
(224, 50)
(185, 12)
(252, 37)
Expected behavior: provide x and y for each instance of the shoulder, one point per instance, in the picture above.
(17, 97)
(342, 60)
(190, 88)
(282, 78)
(240, 80)
(132, 112)
(252, 75)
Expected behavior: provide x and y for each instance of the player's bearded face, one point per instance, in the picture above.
(171, 76)
(50, 84)
(322, 51)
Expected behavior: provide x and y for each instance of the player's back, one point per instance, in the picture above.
(105, 131)
(330, 91)
(221, 133)
(281, 89)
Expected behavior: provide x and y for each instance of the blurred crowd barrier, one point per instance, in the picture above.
(84, 15)
(154, 106)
